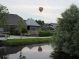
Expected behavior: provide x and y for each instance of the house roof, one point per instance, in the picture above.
(1, 29)
(12, 19)
(31, 22)
(52, 25)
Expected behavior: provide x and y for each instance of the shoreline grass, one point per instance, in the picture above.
(28, 41)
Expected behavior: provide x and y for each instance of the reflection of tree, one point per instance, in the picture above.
(4, 57)
(5, 51)
(21, 56)
(62, 55)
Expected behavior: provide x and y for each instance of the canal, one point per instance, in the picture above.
(39, 51)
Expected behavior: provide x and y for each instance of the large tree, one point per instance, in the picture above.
(3, 12)
(66, 36)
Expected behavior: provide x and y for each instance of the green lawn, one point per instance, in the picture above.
(19, 42)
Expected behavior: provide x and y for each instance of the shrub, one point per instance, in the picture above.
(45, 33)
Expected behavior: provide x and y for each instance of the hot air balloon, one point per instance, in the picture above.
(40, 9)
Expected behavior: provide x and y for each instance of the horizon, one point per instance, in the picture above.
(30, 8)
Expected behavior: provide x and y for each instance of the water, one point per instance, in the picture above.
(27, 52)
(40, 51)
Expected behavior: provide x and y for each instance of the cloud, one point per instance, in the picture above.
(30, 8)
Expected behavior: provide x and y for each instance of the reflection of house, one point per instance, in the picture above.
(9, 50)
(32, 27)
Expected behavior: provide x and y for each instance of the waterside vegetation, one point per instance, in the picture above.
(66, 37)
(28, 41)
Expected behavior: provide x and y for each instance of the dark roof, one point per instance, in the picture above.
(12, 19)
(31, 22)
(52, 25)
(1, 29)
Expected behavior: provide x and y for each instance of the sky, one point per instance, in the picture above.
(52, 9)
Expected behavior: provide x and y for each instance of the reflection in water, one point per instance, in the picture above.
(26, 52)
(32, 52)
(39, 49)
(21, 56)
(4, 51)
(62, 55)
(4, 57)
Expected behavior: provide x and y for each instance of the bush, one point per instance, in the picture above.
(45, 33)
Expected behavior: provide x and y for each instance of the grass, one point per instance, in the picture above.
(28, 41)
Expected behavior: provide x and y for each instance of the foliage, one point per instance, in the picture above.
(45, 33)
(62, 55)
(21, 26)
(3, 12)
(13, 31)
(40, 22)
(27, 41)
(66, 36)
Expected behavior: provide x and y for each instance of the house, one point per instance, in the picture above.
(3, 35)
(1, 32)
(12, 23)
(49, 26)
(53, 25)
(32, 27)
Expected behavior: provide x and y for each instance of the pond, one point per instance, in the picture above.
(39, 51)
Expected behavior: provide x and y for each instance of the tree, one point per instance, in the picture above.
(21, 26)
(3, 12)
(40, 22)
(66, 37)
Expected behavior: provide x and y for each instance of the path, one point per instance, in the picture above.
(18, 37)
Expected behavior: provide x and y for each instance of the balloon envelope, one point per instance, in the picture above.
(40, 9)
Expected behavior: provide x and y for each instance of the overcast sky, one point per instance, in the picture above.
(30, 8)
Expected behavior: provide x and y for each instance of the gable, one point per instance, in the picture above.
(31, 22)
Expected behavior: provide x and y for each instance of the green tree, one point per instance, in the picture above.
(3, 15)
(40, 22)
(66, 37)
(3, 12)
(21, 26)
